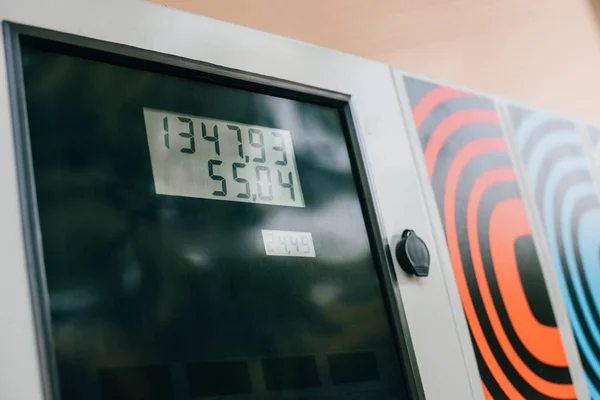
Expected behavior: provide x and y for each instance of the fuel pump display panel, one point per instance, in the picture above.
(158, 288)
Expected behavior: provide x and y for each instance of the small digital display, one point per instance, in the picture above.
(288, 243)
(222, 160)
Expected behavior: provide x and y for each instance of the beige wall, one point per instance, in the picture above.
(542, 52)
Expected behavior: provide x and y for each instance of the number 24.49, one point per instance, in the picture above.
(287, 244)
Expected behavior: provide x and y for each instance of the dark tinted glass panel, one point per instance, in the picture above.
(219, 378)
(136, 383)
(241, 286)
(290, 373)
(353, 367)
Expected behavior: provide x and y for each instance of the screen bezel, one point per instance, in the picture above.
(16, 34)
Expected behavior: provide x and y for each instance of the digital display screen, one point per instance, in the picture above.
(288, 243)
(157, 290)
(222, 160)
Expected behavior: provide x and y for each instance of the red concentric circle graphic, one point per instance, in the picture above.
(517, 343)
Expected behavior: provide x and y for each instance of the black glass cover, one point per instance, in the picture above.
(158, 297)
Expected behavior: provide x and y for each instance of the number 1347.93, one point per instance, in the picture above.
(250, 169)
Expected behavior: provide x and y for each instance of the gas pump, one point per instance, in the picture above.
(198, 210)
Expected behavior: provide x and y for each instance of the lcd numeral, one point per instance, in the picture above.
(238, 133)
(218, 178)
(288, 185)
(244, 181)
(188, 135)
(253, 134)
(259, 183)
(214, 138)
(281, 148)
